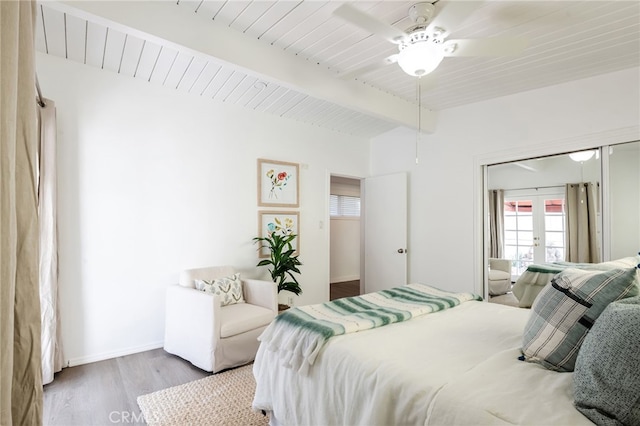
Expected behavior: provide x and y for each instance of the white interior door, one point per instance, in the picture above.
(385, 231)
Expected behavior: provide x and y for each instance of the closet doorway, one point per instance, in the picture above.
(345, 237)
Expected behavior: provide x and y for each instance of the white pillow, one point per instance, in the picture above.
(228, 288)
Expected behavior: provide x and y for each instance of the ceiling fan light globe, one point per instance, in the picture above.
(420, 58)
(581, 156)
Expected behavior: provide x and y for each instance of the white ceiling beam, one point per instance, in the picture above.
(169, 24)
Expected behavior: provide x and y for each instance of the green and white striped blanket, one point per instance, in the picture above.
(537, 276)
(299, 334)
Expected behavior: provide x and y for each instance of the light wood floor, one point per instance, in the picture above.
(105, 392)
(344, 289)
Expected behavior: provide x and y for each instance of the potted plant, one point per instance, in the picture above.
(283, 262)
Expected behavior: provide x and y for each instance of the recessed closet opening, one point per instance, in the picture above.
(345, 237)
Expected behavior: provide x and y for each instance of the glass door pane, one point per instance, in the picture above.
(533, 231)
(553, 230)
(518, 229)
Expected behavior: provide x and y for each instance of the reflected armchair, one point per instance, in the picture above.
(499, 276)
(214, 337)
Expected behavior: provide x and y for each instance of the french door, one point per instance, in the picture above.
(533, 227)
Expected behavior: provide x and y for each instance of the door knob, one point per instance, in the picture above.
(401, 251)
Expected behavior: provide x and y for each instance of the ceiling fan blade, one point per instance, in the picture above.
(368, 68)
(369, 23)
(452, 14)
(484, 47)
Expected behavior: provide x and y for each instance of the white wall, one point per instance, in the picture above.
(345, 249)
(153, 181)
(444, 225)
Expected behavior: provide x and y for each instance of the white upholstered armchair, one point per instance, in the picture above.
(214, 337)
(499, 276)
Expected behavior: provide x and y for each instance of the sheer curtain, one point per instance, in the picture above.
(20, 357)
(582, 238)
(51, 353)
(496, 223)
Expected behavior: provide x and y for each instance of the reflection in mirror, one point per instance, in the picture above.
(624, 199)
(535, 229)
(544, 210)
(534, 215)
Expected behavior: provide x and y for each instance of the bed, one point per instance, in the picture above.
(537, 276)
(457, 366)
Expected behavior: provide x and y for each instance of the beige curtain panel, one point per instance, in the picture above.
(581, 216)
(496, 223)
(20, 355)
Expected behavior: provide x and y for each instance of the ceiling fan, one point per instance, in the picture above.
(423, 46)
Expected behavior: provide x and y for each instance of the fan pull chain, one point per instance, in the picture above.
(419, 90)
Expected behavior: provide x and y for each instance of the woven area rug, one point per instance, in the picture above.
(221, 399)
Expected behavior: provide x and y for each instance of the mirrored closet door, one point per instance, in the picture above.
(538, 198)
(624, 200)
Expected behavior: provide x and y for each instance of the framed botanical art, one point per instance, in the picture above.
(277, 183)
(279, 223)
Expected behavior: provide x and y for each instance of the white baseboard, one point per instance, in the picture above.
(345, 278)
(72, 362)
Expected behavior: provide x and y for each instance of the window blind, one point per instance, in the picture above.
(344, 205)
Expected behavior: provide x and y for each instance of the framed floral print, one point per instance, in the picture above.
(277, 184)
(280, 223)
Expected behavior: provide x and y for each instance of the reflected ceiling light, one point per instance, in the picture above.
(581, 156)
(420, 54)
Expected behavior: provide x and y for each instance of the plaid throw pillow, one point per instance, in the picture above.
(228, 288)
(565, 310)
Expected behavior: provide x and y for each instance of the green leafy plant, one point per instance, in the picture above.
(283, 261)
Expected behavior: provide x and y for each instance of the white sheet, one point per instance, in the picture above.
(458, 366)
(298, 346)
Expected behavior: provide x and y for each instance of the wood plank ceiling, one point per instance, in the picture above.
(566, 41)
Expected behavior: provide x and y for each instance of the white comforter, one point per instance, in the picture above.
(454, 367)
